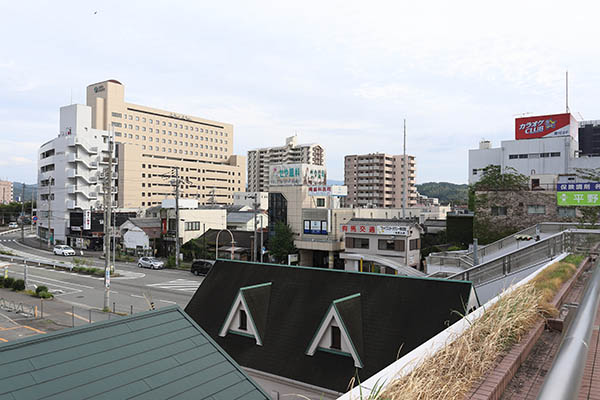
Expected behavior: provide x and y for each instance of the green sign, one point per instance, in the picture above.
(578, 198)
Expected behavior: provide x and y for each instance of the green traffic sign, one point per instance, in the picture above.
(583, 198)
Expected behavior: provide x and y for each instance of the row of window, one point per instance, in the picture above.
(383, 244)
(170, 133)
(535, 209)
(185, 152)
(533, 155)
(170, 124)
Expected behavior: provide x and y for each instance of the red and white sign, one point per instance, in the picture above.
(87, 220)
(546, 126)
(376, 230)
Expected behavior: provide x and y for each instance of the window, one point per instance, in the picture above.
(243, 325)
(384, 244)
(566, 211)
(474, 171)
(320, 202)
(336, 338)
(137, 118)
(523, 155)
(555, 154)
(536, 209)
(414, 244)
(496, 211)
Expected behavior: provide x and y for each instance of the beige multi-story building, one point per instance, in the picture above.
(6, 192)
(152, 142)
(377, 180)
(259, 160)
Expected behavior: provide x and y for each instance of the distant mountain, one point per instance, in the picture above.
(445, 191)
(18, 191)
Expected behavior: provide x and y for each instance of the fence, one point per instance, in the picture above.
(574, 240)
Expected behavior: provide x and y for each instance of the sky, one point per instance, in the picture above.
(344, 74)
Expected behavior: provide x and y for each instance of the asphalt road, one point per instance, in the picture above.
(132, 288)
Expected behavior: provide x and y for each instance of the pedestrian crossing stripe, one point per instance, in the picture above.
(181, 285)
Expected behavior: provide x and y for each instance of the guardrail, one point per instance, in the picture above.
(563, 381)
(574, 240)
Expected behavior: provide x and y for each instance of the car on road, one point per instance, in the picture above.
(201, 267)
(63, 250)
(13, 225)
(150, 262)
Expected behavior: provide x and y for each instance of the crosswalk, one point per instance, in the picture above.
(7, 240)
(181, 285)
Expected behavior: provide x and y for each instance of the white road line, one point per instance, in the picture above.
(167, 301)
(139, 297)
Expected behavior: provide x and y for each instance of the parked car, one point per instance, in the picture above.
(13, 225)
(150, 262)
(63, 250)
(201, 267)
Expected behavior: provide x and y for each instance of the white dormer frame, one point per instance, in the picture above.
(232, 320)
(332, 318)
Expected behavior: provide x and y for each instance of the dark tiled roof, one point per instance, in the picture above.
(153, 355)
(391, 317)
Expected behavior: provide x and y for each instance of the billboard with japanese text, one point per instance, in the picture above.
(578, 194)
(297, 175)
(546, 126)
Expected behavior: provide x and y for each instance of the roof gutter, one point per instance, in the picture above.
(563, 381)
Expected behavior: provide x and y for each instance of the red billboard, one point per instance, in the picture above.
(545, 126)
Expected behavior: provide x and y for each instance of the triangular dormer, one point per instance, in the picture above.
(248, 313)
(340, 330)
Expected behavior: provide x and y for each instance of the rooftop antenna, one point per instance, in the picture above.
(567, 91)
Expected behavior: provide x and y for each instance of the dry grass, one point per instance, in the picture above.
(451, 372)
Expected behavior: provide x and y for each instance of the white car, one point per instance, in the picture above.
(150, 262)
(12, 225)
(62, 250)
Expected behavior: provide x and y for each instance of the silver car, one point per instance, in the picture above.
(150, 262)
(63, 250)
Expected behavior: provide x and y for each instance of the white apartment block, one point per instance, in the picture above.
(377, 180)
(69, 171)
(259, 160)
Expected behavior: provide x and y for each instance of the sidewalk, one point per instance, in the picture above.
(38, 244)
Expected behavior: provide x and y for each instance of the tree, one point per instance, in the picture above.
(282, 243)
(589, 214)
(494, 179)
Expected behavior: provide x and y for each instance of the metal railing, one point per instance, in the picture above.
(563, 381)
(18, 308)
(574, 240)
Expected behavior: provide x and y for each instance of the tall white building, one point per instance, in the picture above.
(544, 147)
(69, 171)
(259, 160)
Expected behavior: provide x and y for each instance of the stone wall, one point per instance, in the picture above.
(488, 227)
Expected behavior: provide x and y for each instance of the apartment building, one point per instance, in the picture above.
(152, 142)
(259, 160)
(69, 172)
(377, 180)
(6, 192)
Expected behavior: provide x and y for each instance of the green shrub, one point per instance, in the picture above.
(98, 272)
(8, 282)
(19, 284)
(170, 262)
(45, 295)
(41, 289)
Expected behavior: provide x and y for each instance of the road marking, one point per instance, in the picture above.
(181, 285)
(77, 316)
(33, 329)
(139, 297)
(167, 301)
(4, 340)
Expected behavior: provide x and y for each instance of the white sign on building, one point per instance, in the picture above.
(392, 230)
(333, 190)
(297, 175)
(87, 220)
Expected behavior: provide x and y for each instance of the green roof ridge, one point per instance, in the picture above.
(346, 298)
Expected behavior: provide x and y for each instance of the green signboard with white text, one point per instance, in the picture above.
(578, 194)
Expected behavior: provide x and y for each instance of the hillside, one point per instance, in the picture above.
(445, 191)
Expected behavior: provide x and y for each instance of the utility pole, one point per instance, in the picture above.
(107, 223)
(404, 186)
(254, 207)
(177, 217)
(31, 218)
(23, 214)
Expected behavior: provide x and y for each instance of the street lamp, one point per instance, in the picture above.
(217, 243)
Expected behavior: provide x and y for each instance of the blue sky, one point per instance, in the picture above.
(341, 73)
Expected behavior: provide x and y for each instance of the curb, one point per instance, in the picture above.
(492, 385)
